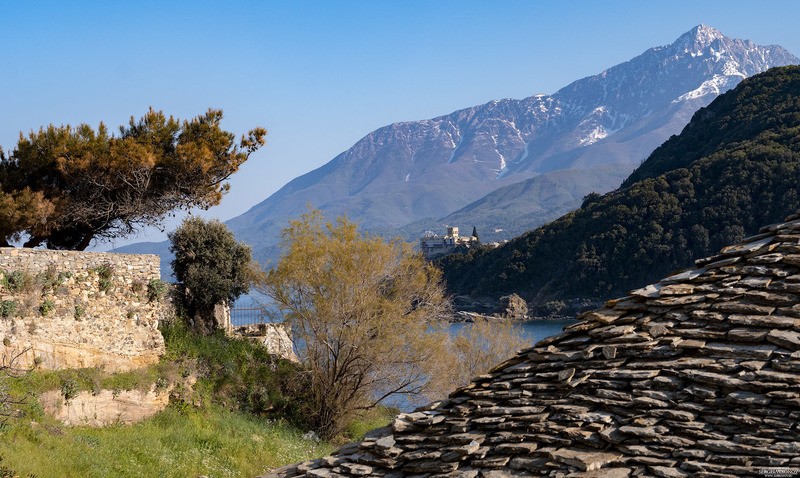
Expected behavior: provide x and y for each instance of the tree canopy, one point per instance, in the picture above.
(211, 266)
(63, 186)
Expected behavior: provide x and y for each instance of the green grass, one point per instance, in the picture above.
(174, 443)
(374, 418)
(243, 417)
(89, 379)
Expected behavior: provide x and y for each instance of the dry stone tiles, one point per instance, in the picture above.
(697, 375)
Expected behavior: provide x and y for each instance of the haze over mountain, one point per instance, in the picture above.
(514, 164)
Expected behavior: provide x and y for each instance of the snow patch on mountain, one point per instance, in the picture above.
(716, 85)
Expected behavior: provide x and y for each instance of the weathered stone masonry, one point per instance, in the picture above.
(68, 309)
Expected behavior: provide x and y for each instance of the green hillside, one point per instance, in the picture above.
(736, 166)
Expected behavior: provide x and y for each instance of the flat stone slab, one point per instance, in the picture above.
(585, 460)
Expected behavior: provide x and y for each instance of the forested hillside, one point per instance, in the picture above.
(735, 167)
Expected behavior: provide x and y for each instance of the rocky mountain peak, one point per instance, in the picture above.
(702, 35)
(599, 128)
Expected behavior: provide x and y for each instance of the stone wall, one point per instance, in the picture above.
(105, 407)
(68, 309)
(276, 337)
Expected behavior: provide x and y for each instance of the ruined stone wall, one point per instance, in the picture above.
(69, 309)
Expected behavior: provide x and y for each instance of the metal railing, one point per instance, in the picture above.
(248, 315)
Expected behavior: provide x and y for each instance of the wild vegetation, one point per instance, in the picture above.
(237, 410)
(370, 319)
(64, 186)
(361, 307)
(734, 168)
(211, 267)
(240, 418)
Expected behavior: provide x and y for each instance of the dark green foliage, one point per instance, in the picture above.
(239, 374)
(80, 311)
(591, 198)
(47, 307)
(735, 167)
(69, 389)
(210, 264)
(105, 276)
(766, 102)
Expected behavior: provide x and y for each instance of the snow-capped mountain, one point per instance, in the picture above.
(598, 128)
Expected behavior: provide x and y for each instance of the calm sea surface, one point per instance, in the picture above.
(534, 330)
(246, 311)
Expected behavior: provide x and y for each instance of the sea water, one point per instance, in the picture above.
(532, 330)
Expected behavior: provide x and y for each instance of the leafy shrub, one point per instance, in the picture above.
(47, 307)
(238, 374)
(80, 311)
(51, 278)
(69, 389)
(137, 287)
(105, 276)
(156, 290)
(17, 281)
(211, 266)
(8, 308)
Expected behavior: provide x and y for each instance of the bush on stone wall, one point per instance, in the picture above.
(18, 281)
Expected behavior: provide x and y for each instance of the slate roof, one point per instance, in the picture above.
(697, 375)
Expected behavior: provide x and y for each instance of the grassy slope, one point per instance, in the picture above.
(210, 431)
(174, 443)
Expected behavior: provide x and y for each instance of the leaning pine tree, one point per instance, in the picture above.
(62, 187)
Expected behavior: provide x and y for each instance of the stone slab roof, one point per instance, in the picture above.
(697, 375)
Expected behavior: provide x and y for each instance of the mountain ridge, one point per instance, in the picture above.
(746, 174)
(435, 167)
(421, 172)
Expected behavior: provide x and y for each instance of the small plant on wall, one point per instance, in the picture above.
(69, 389)
(8, 308)
(17, 281)
(137, 287)
(52, 279)
(47, 307)
(80, 311)
(156, 290)
(105, 275)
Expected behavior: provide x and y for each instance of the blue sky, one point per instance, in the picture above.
(319, 75)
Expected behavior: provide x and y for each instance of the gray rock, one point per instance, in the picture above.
(785, 338)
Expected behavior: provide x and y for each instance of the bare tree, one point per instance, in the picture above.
(8, 368)
(474, 349)
(361, 310)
